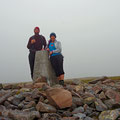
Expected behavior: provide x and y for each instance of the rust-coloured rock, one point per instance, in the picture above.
(59, 97)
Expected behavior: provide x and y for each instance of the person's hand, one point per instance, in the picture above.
(33, 41)
(48, 49)
(51, 52)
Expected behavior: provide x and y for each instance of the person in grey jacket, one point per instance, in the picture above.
(56, 57)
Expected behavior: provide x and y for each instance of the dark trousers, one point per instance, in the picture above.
(57, 64)
(31, 62)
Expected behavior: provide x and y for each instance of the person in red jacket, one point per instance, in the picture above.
(36, 43)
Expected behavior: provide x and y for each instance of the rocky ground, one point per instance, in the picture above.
(96, 100)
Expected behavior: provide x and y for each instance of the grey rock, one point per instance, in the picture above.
(88, 118)
(42, 107)
(80, 115)
(51, 116)
(3, 98)
(78, 110)
(100, 106)
(43, 67)
(77, 101)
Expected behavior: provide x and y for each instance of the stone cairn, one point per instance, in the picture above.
(96, 100)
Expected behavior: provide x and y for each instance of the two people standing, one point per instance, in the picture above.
(37, 43)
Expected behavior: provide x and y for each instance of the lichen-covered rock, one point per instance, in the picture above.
(109, 115)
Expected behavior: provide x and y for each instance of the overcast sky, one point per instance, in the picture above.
(89, 31)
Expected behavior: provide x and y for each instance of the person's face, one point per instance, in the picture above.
(52, 38)
(36, 31)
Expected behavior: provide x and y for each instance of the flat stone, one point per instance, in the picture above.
(70, 118)
(20, 115)
(7, 86)
(51, 116)
(56, 98)
(44, 68)
(30, 104)
(98, 79)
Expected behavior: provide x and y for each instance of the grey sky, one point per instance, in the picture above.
(88, 29)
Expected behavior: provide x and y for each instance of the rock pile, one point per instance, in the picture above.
(96, 100)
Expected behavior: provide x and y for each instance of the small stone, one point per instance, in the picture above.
(3, 98)
(113, 95)
(88, 118)
(28, 85)
(89, 100)
(39, 85)
(97, 89)
(20, 115)
(78, 110)
(80, 115)
(7, 86)
(30, 104)
(109, 115)
(102, 96)
(100, 106)
(51, 116)
(41, 79)
(42, 107)
(79, 88)
(77, 101)
(70, 118)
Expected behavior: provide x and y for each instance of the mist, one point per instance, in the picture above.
(89, 31)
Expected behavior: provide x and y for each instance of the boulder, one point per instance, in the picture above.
(59, 97)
